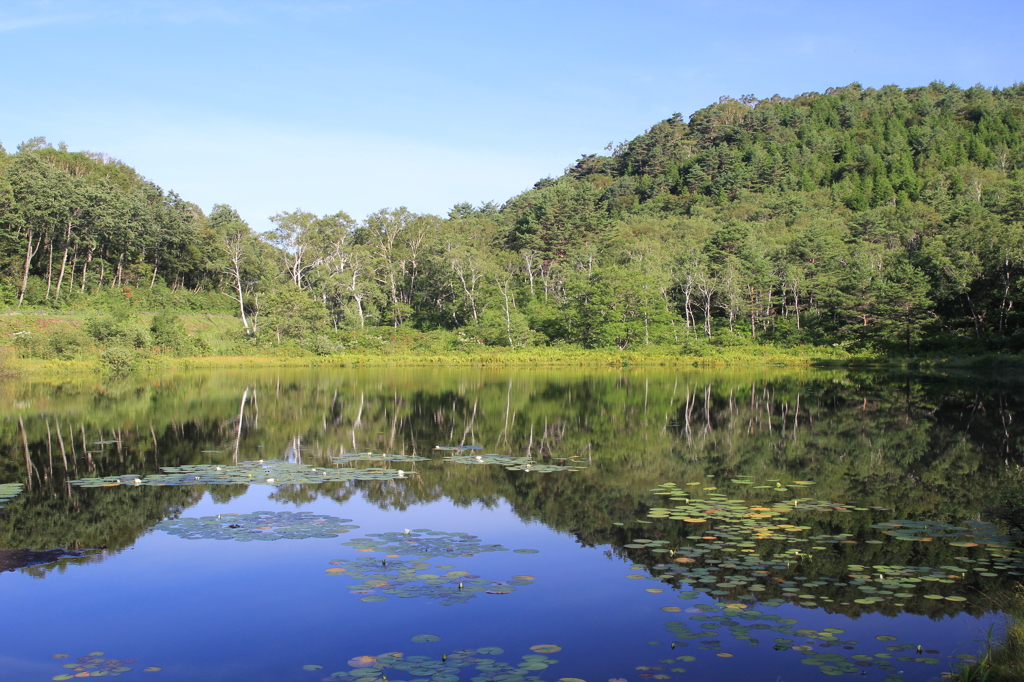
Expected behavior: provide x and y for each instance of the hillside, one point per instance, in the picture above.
(887, 220)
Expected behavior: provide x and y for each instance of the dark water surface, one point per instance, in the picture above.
(768, 579)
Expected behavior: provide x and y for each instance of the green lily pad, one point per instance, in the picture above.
(283, 525)
(490, 650)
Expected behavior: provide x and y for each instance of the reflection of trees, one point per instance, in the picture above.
(927, 447)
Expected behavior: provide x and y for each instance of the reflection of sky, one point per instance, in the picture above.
(226, 610)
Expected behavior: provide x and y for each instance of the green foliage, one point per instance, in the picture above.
(125, 330)
(169, 331)
(1009, 506)
(888, 220)
(287, 313)
(119, 360)
(66, 342)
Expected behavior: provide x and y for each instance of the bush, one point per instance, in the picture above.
(1009, 508)
(119, 360)
(35, 292)
(65, 342)
(321, 344)
(169, 331)
(124, 330)
(102, 327)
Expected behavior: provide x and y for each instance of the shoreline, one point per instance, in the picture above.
(764, 357)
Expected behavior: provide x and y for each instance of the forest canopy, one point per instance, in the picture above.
(888, 219)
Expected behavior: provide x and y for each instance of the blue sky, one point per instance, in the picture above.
(359, 105)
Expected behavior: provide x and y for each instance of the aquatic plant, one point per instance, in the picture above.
(269, 472)
(8, 491)
(515, 463)
(261, 525)
(348, 457)
(409, 579)
(425, 543)
(95, 665)
(481, 664)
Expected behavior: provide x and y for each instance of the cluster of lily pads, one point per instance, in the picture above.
(727, 560)
(8, 491)
(261, 525)
(272, 472)
(95, 665)
(515, 463)
(348, 457)
(409, 579)
(424, 542)
(743, 624)
(970, 534)
(448, 667)
(731, 528)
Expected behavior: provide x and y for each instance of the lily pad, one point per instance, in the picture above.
(260, 472)
(424, 542)
(282, 525)
(517, 463)
(8, 491)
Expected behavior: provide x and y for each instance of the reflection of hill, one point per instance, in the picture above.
(923, 447)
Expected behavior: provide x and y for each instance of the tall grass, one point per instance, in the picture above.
(1003, 660)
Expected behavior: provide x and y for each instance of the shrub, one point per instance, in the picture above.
(66, 341)
(169, 331)
(119, 360)
(102, 327)
(126, 330)
(1009, 507)
(321, 344)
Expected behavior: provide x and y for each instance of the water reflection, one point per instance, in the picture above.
(926, 447)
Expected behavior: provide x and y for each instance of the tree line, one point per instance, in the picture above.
(890, 219)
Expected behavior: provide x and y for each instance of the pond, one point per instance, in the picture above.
(475, 524)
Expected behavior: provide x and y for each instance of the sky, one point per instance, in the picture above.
(331, 105)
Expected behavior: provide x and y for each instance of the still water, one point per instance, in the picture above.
(654, 524)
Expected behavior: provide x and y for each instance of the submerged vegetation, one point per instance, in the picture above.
(875, 222)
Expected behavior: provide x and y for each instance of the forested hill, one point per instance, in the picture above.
(890, 219)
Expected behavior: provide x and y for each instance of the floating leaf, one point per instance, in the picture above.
(545, 648)
(425, 543)
(426, 638)
(268, 472)
(282, 525)
(514, 463)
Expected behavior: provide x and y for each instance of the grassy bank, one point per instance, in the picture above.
(1003, 660)
(72, 342)
(144, 363)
